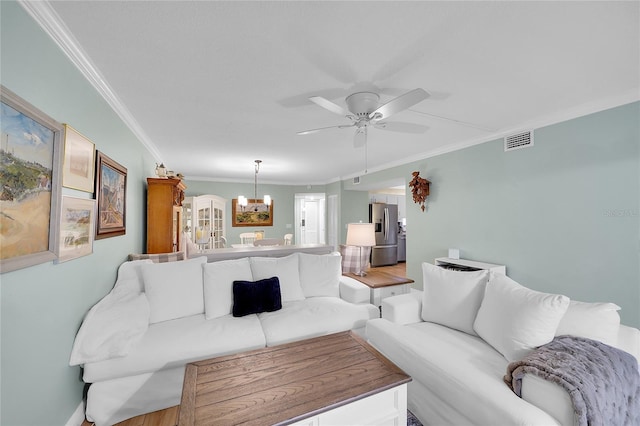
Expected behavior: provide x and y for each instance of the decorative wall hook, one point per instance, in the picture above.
(419, 189)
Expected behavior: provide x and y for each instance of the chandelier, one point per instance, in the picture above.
(243, 201)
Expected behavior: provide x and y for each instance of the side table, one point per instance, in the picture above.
(383, 284)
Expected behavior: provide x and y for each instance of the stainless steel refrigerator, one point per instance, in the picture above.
(385, 219)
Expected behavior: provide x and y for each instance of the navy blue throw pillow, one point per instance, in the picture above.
(253, 297)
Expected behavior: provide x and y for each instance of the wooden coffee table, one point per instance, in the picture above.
(334, 379)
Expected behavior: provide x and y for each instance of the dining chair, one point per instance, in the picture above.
(247, 237)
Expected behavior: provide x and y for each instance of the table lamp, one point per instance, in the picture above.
(361, 235)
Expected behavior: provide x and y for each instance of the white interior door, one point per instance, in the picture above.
(310, 218)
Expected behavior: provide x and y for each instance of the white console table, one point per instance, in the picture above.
(474, 265)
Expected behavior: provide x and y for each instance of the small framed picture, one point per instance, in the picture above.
(79, 161)
(77, 219)
(255, 213)
(111, 194)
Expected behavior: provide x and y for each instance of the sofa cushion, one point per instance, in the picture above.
(174, 289)
(320, 274)
(313, 317)
(174, 343)
(462, 372)
(452, 298)
(253, 297)
(597, 321)
(285, 268)
(514, 319)
(218, 284)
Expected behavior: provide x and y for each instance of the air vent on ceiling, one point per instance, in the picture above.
(356, 180)
(518, 141)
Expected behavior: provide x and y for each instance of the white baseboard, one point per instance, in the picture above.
(77, 417)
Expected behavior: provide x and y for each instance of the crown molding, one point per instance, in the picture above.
(47, 18)
(578, 111)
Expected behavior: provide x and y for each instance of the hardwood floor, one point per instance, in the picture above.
(166, 417)
(169, 416)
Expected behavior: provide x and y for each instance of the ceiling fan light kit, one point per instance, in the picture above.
(362, 104)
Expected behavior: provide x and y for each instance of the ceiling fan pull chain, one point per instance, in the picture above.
(366, 152)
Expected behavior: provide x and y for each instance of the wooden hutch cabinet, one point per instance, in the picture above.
(164, 214)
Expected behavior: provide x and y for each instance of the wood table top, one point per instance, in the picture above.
(377, 278)
(283, 384)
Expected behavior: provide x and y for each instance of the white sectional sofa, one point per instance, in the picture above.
(457, 338)
(134, 344)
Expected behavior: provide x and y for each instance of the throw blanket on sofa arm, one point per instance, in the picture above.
(602, 381)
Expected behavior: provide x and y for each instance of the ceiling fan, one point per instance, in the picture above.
(364, 111)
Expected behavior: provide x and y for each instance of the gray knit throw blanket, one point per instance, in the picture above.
(602, 381)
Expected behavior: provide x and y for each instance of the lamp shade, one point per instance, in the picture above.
(361, 234)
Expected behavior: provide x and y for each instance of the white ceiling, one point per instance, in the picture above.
(210, 86)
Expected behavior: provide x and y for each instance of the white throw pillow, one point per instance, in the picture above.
(514, 319)
(285, 268)
(218, 285)
(174, 289)
(130, 275)
(597, 321)
(320, 274)
(452, 298)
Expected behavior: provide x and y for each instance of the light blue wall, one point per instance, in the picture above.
(283, 204)
(42, 306)
(563, 215)
(354, 208)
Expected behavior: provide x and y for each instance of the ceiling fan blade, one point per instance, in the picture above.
(400, 103)
(302, 99)
(463, 123)
(307, 132)
(360, 137)
(328, 105)
(399, 126)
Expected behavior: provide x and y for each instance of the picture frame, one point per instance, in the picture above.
(30, 183)
(77, 222)
(79, 161)
(256, 213)
(111, 196)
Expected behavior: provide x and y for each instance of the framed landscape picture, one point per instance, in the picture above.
(77, 219)
(255, 213)
(79, 162)
(111, 194)
(30, 183)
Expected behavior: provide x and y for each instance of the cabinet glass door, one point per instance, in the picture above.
(187, 220)
(218, 227)
(203, 228)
